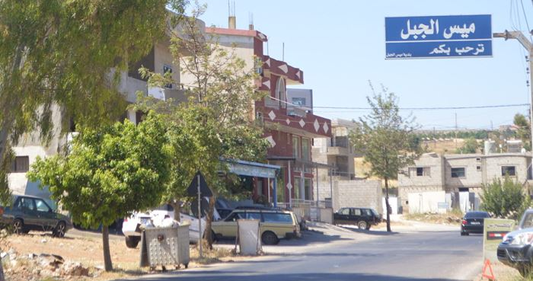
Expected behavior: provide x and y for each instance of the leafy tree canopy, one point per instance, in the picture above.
(70, 53)
(110, 172)
(505, 199)
(386, 140)
(470, 145)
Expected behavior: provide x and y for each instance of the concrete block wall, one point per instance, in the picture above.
(494, 167)
(357, 193)
(473, 171)
(433, 174)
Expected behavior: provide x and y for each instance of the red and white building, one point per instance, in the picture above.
(289, 131)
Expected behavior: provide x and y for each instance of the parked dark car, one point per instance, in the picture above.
(364, 218)
(473, 222)
(33, 213)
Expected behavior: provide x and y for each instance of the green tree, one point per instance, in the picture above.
(69, 53)
(109, 173)
(215, 123)
(505, 199)
(524, 130)
(384, 138)
(470, 145)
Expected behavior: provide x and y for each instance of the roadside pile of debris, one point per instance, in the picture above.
(41, 266)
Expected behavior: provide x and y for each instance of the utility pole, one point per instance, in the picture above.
(518, 35)
(456, 131)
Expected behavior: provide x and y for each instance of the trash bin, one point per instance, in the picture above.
(249, 237)
(163, 246)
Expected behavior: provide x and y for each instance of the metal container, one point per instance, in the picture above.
(163, 246)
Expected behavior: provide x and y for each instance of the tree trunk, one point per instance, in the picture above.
(2, 278)
(107, 253)
(387, 203)
(177, 209)
(208, 233)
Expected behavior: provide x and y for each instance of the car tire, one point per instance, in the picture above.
(132, 242)
(60, 230)
(18, 227)
(213, 236)
(362, 225)
(269, 238)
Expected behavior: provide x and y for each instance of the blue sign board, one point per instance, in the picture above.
(438, 37)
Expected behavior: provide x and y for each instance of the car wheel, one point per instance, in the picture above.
(213, 236)
(362, 225)
(60, 230)
(132, 242)
(18, 227)
(269, 238)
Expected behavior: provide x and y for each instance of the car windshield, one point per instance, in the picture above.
(528, 221)
(375, 212)
(471, 215)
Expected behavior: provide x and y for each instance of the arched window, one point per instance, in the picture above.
(281, 92)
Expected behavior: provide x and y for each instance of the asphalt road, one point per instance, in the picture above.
(419, 255)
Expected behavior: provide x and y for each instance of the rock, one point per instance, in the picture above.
(74, 269)
(43, 241)
(50, 261)
(32, 256)
(3, 254)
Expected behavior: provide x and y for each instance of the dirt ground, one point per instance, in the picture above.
(504, 273)
(88, 251)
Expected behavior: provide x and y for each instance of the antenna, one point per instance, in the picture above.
(251, 21)
(283, 52)
(232, 19)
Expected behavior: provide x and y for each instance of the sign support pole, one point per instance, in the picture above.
(199, 218)
(518, 35)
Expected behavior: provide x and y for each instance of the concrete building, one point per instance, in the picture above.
(460, 173)
(290, 129)
(336, 151)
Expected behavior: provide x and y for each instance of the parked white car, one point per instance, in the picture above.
(132, 225)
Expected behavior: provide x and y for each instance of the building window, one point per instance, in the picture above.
(296, 187)
(295, 147)
(458, 172)
(509, 171)
(281, 93)
(21, 164)
(305, 149)
(167, 69)
(478, 168)
(298, 101)
(422, 171)
(308, 189)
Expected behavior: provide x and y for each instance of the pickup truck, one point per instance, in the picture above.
(516, 249)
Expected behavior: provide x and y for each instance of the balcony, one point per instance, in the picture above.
(337, 151)
(339, 146)
(166, 94)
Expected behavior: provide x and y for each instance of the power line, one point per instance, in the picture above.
(430, 108)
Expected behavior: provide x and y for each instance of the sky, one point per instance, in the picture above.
(340, 46)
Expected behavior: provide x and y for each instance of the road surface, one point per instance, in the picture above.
(415, 255)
